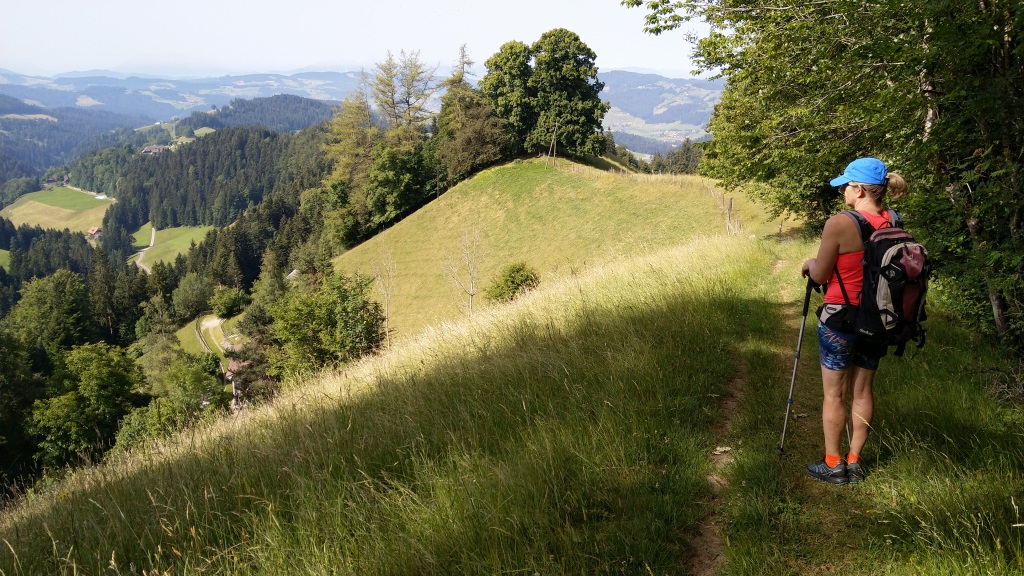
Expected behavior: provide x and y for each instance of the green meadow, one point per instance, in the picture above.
(58, 208)
(142, 236)
(189, 338)
(558, 220)
(5, 259)
(170, 242)
(216, 333)
(209, 329)
(623, 418)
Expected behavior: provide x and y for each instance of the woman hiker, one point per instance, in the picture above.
(845, 362)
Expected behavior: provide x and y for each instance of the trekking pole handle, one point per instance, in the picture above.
(811, 285)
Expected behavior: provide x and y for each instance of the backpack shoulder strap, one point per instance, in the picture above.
(895, 218)
(863, 226)
(864, 229)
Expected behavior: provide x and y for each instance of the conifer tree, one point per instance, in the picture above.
(469, 134)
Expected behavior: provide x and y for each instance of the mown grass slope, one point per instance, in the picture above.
(571, 431)
(142, 236)
(173, 241)
(5, 259)
(559, 220)
(58, 208)
(216, 333)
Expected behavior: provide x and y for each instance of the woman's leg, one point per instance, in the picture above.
(863, 407)
(833, 409)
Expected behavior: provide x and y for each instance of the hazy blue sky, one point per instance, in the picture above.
(212, 37)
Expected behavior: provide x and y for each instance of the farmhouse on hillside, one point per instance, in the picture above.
(154, 149)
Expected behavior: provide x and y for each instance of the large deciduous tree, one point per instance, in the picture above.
(96, 386)
(50, 317)
(335, 322)
(567, 94)
(547, 91)
(935, 89)
(506, 86)
(192, 296)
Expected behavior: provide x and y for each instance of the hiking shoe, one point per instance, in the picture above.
(822, 472)
(854, 473)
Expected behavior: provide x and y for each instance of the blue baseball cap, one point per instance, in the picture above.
(864, 171)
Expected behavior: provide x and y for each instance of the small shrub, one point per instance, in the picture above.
(228, 302)
(335, 323)
(192, 296)
(514, 280)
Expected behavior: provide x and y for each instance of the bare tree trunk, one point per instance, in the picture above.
(469, 261)
(386, 275)
(995, 296)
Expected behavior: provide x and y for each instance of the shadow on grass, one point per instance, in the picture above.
(559, 448)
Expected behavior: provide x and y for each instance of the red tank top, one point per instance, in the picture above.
(851, 268)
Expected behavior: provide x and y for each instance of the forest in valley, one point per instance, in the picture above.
(624, 420)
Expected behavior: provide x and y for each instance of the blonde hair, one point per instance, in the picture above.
(896, 186)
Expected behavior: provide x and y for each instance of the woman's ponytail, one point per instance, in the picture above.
(897, 186)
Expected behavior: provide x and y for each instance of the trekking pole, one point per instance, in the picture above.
(796, 362)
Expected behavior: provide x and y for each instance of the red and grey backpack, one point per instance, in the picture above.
(896, 271)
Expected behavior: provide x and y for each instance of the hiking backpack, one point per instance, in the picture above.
(896, 271)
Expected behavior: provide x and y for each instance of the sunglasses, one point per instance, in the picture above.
(843, 187)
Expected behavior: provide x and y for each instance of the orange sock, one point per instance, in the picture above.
(832, 461)
(852, 458)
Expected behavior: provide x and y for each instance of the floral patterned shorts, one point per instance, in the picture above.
(840, 350)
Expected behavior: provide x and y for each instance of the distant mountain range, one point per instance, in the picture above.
(659, 108)
(647, 105)
(164, 99)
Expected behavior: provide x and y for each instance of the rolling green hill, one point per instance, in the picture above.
(58, 208)
(560, 221)
(623, 418)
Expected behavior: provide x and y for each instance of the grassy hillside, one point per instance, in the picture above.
(621, 419)
(170, 242)
(58, 208)
(215, 332)
(142, 236)
(560, 221)
(5, 259)
(570, 432)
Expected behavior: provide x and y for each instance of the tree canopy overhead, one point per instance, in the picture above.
(932, 88)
